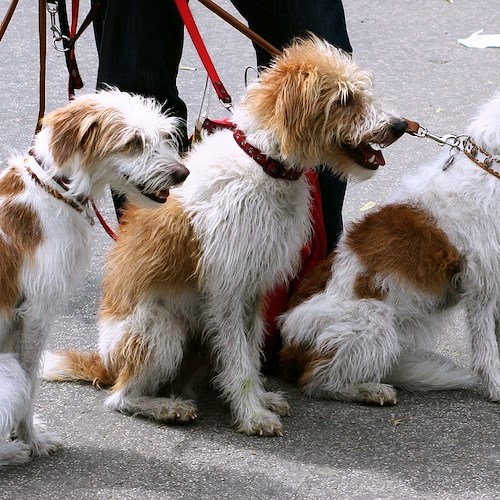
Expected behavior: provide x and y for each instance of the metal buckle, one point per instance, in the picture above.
(57, 35)
(451, 140)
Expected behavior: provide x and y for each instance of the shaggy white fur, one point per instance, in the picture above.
(233, 234)
(106, 137)
(355, 335)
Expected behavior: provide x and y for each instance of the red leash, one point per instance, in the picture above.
(187, 18)
(104, 223)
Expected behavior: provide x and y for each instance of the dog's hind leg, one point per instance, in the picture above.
(143, 362)
(353, 353)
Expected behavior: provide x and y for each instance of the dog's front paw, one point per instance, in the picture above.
(377, 394)
(45, 443)
(275, 401)
(265, 423)
(14, 452)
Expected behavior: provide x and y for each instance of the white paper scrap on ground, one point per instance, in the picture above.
(478, 41)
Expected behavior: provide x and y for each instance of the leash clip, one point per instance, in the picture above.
(451, 140)
(57, 34)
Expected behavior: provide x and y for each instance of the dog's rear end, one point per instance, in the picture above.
(396, 274)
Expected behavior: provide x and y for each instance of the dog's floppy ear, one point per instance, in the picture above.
(303, 94)
(85, 128)
(282, 102)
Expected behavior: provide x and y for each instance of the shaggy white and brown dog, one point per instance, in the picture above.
(104, 138)
(362, 318)
(187, 282)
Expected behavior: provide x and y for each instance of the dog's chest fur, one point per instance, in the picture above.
(244, 219)
(44, 242)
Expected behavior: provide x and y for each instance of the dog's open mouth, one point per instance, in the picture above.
(366, 156)
(158, 196)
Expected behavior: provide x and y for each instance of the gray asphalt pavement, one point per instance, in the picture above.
(446, 444)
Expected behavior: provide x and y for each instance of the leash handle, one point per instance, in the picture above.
(188, 20)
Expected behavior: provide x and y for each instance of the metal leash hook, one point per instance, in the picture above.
(57, 35)
(451, 140)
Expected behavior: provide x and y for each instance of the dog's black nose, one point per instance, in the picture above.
(399, 127)
(180, 174)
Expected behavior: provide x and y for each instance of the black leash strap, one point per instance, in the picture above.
(70, 35)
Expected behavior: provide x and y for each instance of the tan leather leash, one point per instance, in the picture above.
(458, 144)
(235, 23)
(8, 16)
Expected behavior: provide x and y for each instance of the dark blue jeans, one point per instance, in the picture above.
(140, 46)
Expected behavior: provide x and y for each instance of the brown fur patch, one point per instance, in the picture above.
(314, 283)
(11, 183)
(155, 248)
(84, 367)
(366, 288)
(128, 358)
(23, 234)
(298, 363)
(86, 128)
(403, 240)
(314, 362)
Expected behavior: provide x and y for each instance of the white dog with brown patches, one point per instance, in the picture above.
(396, 273)
(104, 138)
(187, 282)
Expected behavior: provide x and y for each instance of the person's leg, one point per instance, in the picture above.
(332, 200)
(140, 46)
(278, 21)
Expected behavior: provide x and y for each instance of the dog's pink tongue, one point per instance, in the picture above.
(367, 157)
(369, 153)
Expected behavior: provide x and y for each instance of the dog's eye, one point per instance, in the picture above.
(136, 143)
(166, 137)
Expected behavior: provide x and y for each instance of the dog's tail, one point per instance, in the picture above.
(14, 393)
(76, 366)
(434, 373)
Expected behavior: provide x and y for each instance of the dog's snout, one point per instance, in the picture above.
(180, 174)
(399, 127)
